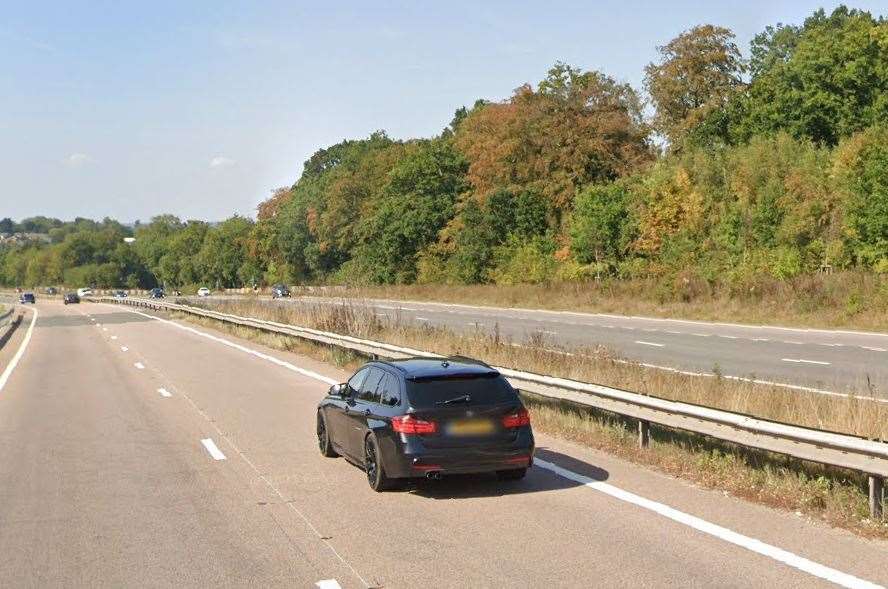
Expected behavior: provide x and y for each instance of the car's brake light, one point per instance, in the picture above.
(517, 419)
(408, 424)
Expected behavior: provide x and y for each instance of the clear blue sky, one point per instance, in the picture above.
(200, 109)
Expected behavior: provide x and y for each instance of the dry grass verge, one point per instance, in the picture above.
(832, 495)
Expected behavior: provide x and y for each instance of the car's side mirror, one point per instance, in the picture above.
(339, 390)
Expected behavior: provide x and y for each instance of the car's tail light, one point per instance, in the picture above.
(408, 424)
(517, 419)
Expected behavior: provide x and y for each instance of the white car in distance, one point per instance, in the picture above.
(203, 292)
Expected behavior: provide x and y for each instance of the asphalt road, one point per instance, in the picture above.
(832, 361)
(135, 451)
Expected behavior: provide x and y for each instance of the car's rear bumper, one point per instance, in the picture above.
(409, 460)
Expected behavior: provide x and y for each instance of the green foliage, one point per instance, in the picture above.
(524, 261)
(601, 226)
(825, 80)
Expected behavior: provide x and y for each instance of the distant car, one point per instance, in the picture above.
(51, 290)
(203, 292)
(27, 297)
(426, 417)
(156, 293)
(84, 292)
(120, 294)
(279, 291)
(71, 298)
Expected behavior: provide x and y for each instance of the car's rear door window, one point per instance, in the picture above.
(390, 391)
(369, 390)
(481, 390)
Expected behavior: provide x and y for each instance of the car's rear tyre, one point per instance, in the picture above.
(375, 469)
(324, 444)
(515, 474)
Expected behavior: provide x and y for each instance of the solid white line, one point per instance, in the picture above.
(231, 344)
(164, 393)
(701, 525)
(650, 344)
(803, 361)
(124, 349)
(19, 353)
(139, 365)
(328, 584)
(211, 447)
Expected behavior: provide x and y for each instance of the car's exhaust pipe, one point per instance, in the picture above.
(434, 475)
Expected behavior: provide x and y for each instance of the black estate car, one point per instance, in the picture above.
(71, 298)
(27, 297)
(425, 417)
(156, 293)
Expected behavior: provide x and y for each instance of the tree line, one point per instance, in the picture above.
(744, 168)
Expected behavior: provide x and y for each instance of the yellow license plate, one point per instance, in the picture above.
(470, 427)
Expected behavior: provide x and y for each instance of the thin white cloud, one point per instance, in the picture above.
(221, 162)
(78, 160)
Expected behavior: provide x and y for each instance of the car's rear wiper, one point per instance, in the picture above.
(461, 399)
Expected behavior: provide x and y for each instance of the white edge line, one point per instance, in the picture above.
(714, 530)
(19, 353)
(269, 358)
(778, 554)
(214, 450)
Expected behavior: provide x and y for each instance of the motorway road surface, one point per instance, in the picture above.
(138, 451)
(834, 361)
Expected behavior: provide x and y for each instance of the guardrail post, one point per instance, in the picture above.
(644, 433)
(876, 485)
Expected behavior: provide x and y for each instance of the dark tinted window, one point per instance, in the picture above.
(354, 383)
(390, 391)
(369, 390)
(484, 390)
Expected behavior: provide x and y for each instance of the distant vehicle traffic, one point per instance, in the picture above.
(203, 292)
(156, 293)
(27, 297)
(51, 290)
(280, 291)
(120, 294)
(426, 417)
(84, 292)
(71, 298)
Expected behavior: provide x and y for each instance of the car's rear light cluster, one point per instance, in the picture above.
(408, 424)
(518, 419)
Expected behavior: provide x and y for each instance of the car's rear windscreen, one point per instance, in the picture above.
(483, 390)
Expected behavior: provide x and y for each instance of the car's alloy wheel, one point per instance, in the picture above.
(324, 444)
(373, 465)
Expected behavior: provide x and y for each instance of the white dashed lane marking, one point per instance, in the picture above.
(164, 393)
(656, 345)
(139, 365)
(214, 450)
(803, 361)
